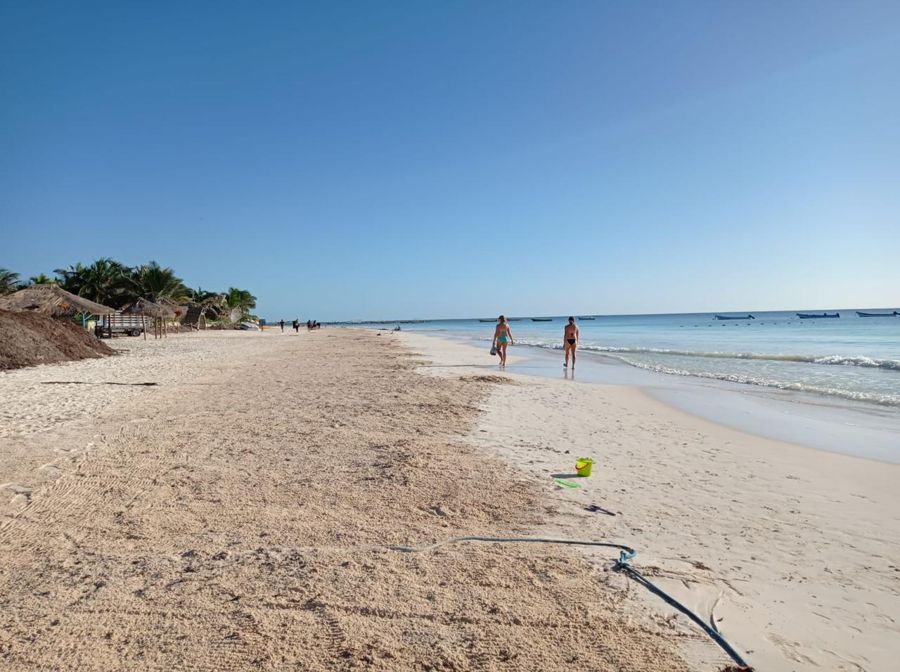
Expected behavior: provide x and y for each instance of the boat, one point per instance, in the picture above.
(541, 319)
(585, 317)
(733, 317)
(491, 320)
(816, 316)
(862, 314)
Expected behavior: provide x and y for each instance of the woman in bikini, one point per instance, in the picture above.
(570, 341)
(502, 338)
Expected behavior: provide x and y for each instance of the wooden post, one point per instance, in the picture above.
(144, 326)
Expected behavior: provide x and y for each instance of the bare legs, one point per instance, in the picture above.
(569, 349)
(501, 349)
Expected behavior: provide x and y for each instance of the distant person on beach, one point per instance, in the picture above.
(502, 338)
(281, 324)
(296, 325)
(570, 341)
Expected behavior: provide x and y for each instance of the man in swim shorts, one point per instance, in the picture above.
(570, 341)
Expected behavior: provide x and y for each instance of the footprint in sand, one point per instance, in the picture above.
(790, 650)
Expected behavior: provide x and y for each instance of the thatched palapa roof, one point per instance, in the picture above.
(150, 309)
(177, 309)
(52, 300)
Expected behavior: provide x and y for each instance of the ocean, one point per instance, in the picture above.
(850, 357)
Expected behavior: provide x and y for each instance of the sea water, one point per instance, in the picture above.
(850, 357)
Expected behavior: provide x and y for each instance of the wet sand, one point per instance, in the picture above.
(842, 426)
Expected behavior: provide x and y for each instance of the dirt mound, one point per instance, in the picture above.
(27, 339)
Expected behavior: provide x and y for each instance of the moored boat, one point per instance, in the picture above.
(585, 317)
(734, 317)
(862, 314)
(816, 316)
(541, 319)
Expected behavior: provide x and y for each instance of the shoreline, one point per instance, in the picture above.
(238, 511)
(836, 426)
(788, 548)
(244, 513)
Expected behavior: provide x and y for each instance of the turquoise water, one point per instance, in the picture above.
(849, 357)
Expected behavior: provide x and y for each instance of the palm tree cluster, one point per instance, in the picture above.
(114, 284)
(9, 281)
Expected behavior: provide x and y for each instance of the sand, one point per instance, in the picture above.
(225, 500)
(793, 552)
(28, 339)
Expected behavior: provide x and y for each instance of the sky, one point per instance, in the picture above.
(381, 160)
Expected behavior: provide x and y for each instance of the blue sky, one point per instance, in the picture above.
(452, 159)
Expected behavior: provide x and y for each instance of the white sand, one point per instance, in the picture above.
(50, 414)
(794, 552)
(238, 516)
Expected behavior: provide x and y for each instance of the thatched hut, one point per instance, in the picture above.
(52, 300)
(151, 309)
(158, 315)
(177, 309)
(195, 317)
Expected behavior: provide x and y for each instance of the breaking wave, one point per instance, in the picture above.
(637, 357)
(881, 399)
(831, 360)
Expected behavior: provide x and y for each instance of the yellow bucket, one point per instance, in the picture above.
(583, 466)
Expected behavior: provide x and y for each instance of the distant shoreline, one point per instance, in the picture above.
(710, 313)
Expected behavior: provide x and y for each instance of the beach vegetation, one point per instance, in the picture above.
(111, 283)
(104, 281)
(153, 282)
(41, 279)
(240, 299)
(200, 297)
(9, 281)
(114, 284)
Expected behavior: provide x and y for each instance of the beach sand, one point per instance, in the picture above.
(794, 552)
(226, 500)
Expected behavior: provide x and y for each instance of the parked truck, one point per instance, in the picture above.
(119, 323)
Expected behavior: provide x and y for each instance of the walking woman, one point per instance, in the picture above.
(502, 338)
(571, 337)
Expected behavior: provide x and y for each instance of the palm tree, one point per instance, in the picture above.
(240, 298)
(71, 279)
(200, 296)
(153, 282)
(104, 281)
(41, 279)
(9, 281)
